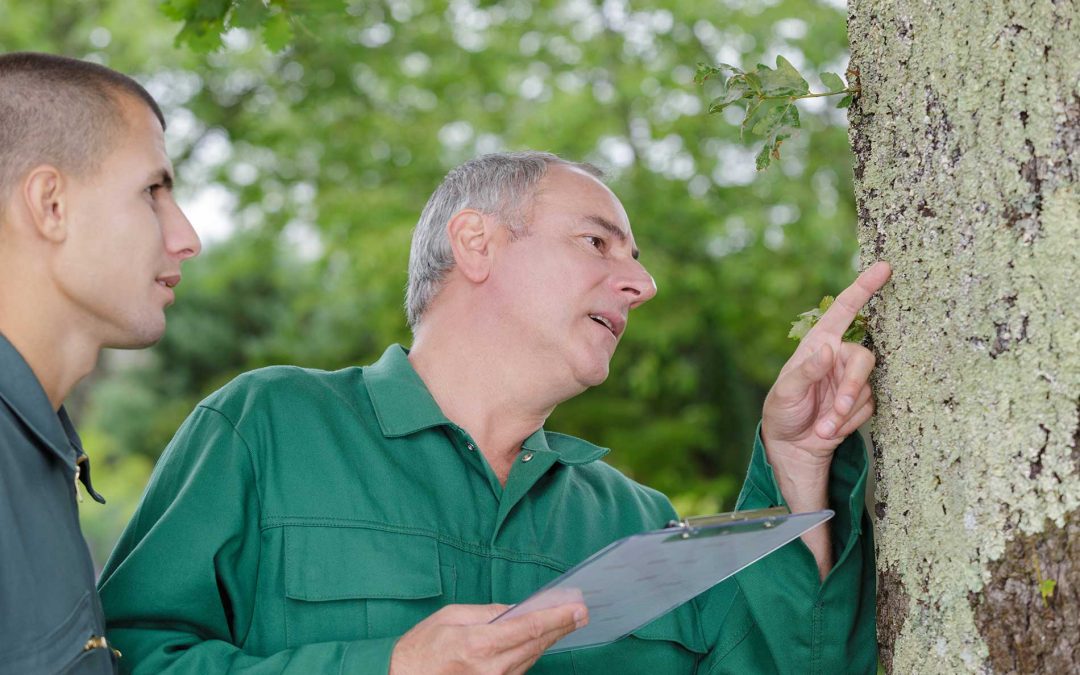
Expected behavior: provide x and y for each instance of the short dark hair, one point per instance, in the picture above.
(61, 111)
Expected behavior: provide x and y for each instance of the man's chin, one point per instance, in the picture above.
(138, 337)
(594, 377)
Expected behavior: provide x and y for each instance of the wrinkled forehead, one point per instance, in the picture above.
(574, 190)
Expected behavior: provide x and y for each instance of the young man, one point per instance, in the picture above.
(91, 244)
(376, 519)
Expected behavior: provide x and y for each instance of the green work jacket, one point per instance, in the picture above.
(50, 617)
(302, 521)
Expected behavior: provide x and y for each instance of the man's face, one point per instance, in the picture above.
(569, 284)
(126, 239)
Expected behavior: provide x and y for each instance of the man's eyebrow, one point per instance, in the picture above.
(613, 229)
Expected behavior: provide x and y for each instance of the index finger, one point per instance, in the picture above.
(839, 316)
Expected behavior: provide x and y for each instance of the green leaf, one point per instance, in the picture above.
(751, 110)
(776, 124)
(844, 102)
(753, 81)
(777, 139)
(211, 9)
(791, 117)
(802, 325)
(1046, 588)
(179, 10)
(833, 82)
(769, 121)
(783, 81)
(704, 72)
(277, 32)
(201, 35)
(776, 120)
(764, 158)
(249, 13)
(735, 90)
(856, 332)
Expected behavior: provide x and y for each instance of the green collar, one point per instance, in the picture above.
(404, 406)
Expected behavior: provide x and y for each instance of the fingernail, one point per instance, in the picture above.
(828, 427)
(846, 402)
(579, 615)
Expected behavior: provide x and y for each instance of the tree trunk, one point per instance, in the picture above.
(967, 144)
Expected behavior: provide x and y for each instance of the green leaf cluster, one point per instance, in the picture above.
(769, 95)
(856, 332)
(205, 21)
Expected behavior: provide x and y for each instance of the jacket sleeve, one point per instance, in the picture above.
(782, 617)
(179, 590)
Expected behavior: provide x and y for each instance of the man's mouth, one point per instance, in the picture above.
(603, 321)
(169, 281)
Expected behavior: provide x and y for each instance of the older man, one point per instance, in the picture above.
(376, 519)
(91, 244)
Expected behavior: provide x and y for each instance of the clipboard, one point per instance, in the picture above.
(639, 578)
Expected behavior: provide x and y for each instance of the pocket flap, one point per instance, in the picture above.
(680, 625)
(341, 563)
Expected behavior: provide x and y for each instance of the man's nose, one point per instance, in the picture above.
(181, 238)
(636, 283)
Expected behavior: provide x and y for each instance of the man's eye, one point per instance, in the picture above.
(595, 242)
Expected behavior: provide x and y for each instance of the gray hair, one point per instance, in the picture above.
(501, 185)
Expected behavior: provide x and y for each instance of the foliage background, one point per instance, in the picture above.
(305, 168)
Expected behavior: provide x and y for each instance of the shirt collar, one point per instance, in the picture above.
(403, 405)
(570, 450)
(22, 392)
(24, 396)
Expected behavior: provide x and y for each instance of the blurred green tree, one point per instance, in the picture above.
(321, 153)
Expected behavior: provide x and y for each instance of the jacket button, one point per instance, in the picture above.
(96, 642)
(527, 457)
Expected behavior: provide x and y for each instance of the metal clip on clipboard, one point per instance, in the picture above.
(692, 526)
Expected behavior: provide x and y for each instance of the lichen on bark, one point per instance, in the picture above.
(967, 144)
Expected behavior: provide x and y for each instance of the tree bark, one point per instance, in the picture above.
(967, 142)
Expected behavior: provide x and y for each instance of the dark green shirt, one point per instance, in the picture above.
(302, 521)
(49, 609)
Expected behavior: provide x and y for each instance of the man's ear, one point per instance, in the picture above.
(470, 232)
(45, 200)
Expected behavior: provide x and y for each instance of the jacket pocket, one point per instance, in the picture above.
(348, 583)
(672, 643)
(63, 649)
(91, 662)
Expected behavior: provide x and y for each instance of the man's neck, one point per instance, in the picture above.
(57, 354)
(480, 390)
